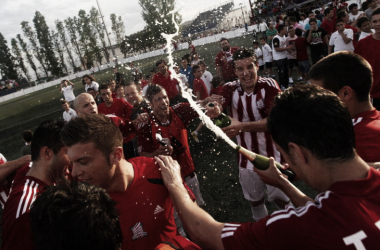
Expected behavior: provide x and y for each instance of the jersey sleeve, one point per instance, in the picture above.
(272, 89)
(350, 34)
(144, 139)
(185, 112)
(127, 108)
(268, 48)
(197, 86)
(331, 42)
(227, 91)
(276, 42)
(217, 61)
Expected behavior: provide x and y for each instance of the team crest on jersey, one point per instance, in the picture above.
(260, 104)
(138, 231)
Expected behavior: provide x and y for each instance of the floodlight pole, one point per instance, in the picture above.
(109, 41)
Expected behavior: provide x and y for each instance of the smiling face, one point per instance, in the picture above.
(160, 105)
(376, 23)
(87, 80)
(246, 71)
(225, 45)
(133, 95)
(85, 104)
(90, 164)
(162, 68)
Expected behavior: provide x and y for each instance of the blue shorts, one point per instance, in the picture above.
(304, 66)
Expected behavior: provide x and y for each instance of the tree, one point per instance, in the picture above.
(117, 28)
(87, 37)
(46, 44)
(62, 35)
(71, 27)
(98, 26)
(58, 48)
(19, 59)
(156, 15)
(29, 55)
(31, 35)
(7, 61)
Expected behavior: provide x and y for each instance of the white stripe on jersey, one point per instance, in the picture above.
(357, 120)
(27, 198)
(229, 229)
(278, 215)
(3, 198)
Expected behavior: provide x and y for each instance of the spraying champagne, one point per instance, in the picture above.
(261, 162)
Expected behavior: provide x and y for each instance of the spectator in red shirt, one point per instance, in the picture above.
(223, 61)
(328, 22)
(301, 45)
(200, 89)
(350, 77)
(164, 79)
(217, 86)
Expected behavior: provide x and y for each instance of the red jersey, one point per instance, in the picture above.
(114, 95)
(169, 84)
(367, 135)
(254, 106)
(146, 209)
(121, 109)
(301, 47)
(143, 83)
(224, 59)
(369, 49)
(329, 26)
(216, 91)
(175, 130)
(17, 233)
(199, 86)
(344, 217)
(4, 190)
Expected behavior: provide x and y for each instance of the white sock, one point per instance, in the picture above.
(259, 212)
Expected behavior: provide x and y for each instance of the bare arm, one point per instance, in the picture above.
(345, 38)
(329, 49)
(238, 127)
(72, 84)
(9, 167)
(273, 176)
(309, 37)
(202, 228)
(285, 48)
(219, 71)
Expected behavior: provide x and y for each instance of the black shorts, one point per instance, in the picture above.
(268, 65)
(261, 67)
(292, 63)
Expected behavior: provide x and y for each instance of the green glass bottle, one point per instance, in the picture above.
(262, 162)
(222, 120)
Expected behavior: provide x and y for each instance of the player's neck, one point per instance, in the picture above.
(108, 103)
(358, 107)
(122, 178)
(376, 36)
(40, 170)
(161, 118)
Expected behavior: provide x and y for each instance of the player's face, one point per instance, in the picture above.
(60, 165)
(162, 68)
(65, 106)
(112, 85)
(90, 165)
(366, 27)
(291, 32)
(354, 11)
(64, 84)
(198, 73)
(133, 95)
(120, 92)
(86, 105)
(106, 95)
(160, 104)
(376, 23)
(184, 64)
(203, 67)
(225, 45)
(255, 45)
(246, 71)
(262, 41)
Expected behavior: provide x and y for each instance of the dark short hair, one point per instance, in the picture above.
(290, 28)
(344, 69)
(93, 128)
(89, 89)
(341, 14)
(292, 19)
(305, 108)
(280, 28)
(376, 11)
(298, 32)
(243, 53)
(370, 1)
(133, 83)
(255, 42)
(92, 78)
(223, 39)
(201, 62)
(104, 86)
(75, 216)
(161, 61)
(215, 82)
(27, 135)
(63, 101)
(352, 6)
(262, 38)
(302, 15)
(312, 20)
(47, 134)
(118, 86)
(317, 12)
(362, 20)
(339, 21)
(195, 68)
(327, 11)
(153, 90)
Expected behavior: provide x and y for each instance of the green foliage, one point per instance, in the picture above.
(98, 26)
(8, 65)
(63, 40)
(117, 28)
(156, 15)
(28, 54)
(19, 60)
(70, 24)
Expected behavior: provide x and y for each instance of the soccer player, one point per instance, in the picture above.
(68, 112)
(341, 39)
(249, 100)
(350, 77)
(49, 165)
(75, 216)
(369, 49)
(144, 204)
(223, 61)
(67, 91)
(200, 90)
(343, 216)
(122, 109)
(136, 100)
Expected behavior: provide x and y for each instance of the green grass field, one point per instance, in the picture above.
(215, 161)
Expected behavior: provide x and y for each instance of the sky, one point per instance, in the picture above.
(13, 12)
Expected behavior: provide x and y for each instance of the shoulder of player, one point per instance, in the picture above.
(266, 82)
(145, 167)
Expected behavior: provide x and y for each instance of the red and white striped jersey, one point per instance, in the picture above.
(248, 107)
(16, 228)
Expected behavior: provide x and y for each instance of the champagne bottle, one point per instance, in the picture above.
(261, 162)
(222, 120)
